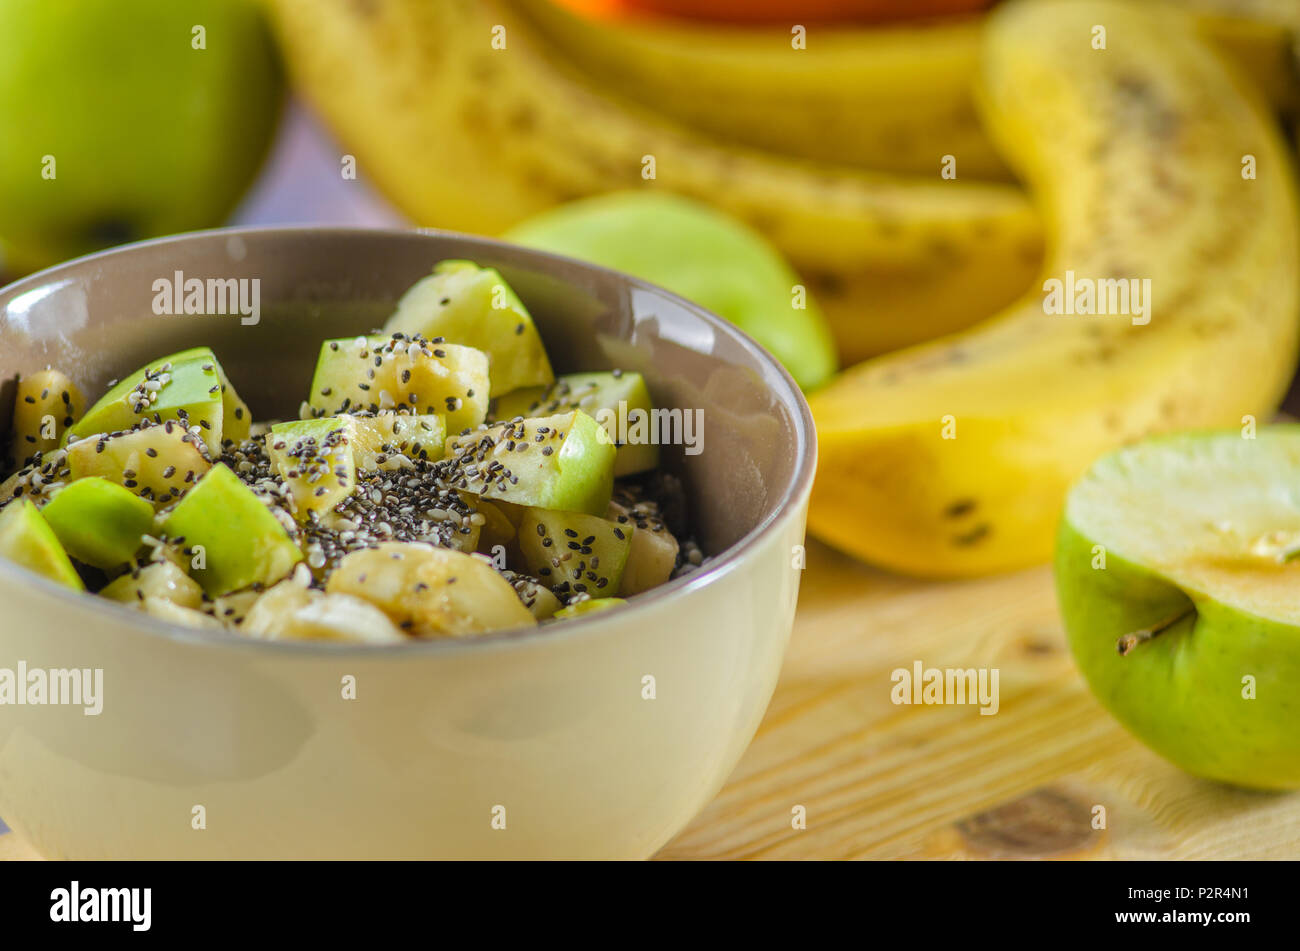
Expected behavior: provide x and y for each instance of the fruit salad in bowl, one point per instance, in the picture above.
(442, 481)
(334, 604)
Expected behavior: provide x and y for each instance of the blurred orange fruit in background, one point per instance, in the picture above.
(782, 11)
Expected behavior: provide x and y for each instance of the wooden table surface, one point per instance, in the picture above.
(883, 781)
(878, 780)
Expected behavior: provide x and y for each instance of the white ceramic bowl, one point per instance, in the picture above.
(550, 730)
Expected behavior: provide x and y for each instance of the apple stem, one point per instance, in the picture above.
(1134, 638)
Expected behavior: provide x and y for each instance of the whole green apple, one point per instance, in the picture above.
(125, 119)
(1179, 586)
(703, 255)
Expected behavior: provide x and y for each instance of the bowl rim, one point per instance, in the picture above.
(795, 492)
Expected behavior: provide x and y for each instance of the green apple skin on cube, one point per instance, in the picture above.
(1181, 550)
(243, 543)
(185, 385)
(319, 459)
(471, 305)
(563, 462)
(315, 459)
(99, 522)
(27, 539)
(236, 420)
(610, 397)
(574, 553)
(366, 375)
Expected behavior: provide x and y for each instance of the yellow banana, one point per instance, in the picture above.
(468, 119)
(891, 98)
(1261, 40)
(1152, 162)
(875, 310)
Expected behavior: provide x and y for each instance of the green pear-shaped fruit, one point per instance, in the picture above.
(1179, 585)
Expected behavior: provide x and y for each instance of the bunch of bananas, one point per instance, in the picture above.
(885, 164)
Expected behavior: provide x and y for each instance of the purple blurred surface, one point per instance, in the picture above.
(302, 182)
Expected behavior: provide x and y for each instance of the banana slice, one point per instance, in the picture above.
(170, 611)
(161, 580)
(290, 611)
(431, 592)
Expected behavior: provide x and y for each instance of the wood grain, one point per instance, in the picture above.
(880, 781)
(884, 781)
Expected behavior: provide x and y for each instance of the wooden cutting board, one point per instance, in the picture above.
(879, 780)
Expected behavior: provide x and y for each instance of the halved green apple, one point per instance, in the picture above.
(1179, 583)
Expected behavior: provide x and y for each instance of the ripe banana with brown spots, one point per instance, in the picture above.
(895, 98)
(1153, 162)
(468, 118)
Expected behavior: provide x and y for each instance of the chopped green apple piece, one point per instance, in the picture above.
(99, 522)
(45, 405)
(26, 538)
(471, 305)
(573, 553)
(315, 459)
(161, 580)
(431, 592)
(232, 538)
(319, 458)
(185, 386)
(396, 440)
(618, 399)
(158, 462)
(236, 420)
(653, 554)
(1177, 573)
(564, 462)
(588, 606)
(411, 374)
